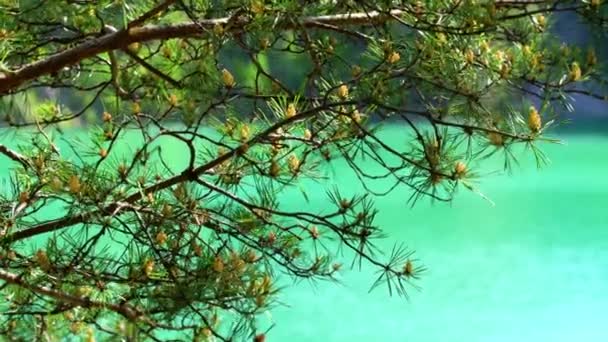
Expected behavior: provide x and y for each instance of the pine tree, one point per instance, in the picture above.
(107, 235)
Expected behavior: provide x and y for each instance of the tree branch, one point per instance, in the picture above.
(136, 33)
(152, 69)
(121, 39)
(156, 10)
(14, 156)
(186, 175)
(125, 310)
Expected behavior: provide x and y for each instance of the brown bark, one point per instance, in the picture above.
(121, 39)
(124, 310)
(10, 81)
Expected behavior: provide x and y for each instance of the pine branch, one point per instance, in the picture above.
(151, 13)
(186, 175)
(11, 80)
(14, 156)
(125, 310)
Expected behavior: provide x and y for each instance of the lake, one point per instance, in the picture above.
(534, 267)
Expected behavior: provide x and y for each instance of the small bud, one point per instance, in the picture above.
(541, 20)
(206, 332)
(436, 178)
(275, 169)
(441, 38)
(227, 78)
(39, 162)
(393, 57)
(90, 336)
(291, 111)
(107, 117)
(343, 91)
(103, 153)
(75, 327)
(161, 238)
(134, 47)
(43, 260)
(460, 169)
(504, 70)
(469, 56)
(356, 116)
(218, 264)
(136, 108)
(271, 238)
(245, 132)
(148, 267)
(307, 134)
(173, 100)
(259, 338)
(314, 232)
(356, 71)
(166, 210)
(122, 170)
(257, 7)
(251, 257)
(198, 251)
(294, 163)
(534, 120)
(345, 204)
(408, 268)
(69, 315)
(575, 72)
(275, 149)
(74, 184)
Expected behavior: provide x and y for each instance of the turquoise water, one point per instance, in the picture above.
(534, 267)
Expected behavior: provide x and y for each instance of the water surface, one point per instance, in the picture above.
(534, 267)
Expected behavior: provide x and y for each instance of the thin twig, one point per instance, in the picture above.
(156, 10)
(21, 159)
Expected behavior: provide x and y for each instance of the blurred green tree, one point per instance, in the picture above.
(111, 238)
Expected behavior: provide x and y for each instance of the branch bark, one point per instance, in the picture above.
(121, 39)
(11, 80)
(124, 310)
(14, 156)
